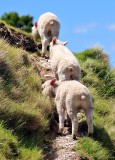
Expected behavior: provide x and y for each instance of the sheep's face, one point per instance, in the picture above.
(55, 41)
(48, 88)
(35, 33)
(34, 28)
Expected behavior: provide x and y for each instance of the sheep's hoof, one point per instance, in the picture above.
(90, 135)
(60, 132)
(74, 136)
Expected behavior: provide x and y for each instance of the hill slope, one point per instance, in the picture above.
(26, 117)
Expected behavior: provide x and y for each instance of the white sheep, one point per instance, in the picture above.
(48, 26)
(63, 63)
(35, 33)
(70, 96)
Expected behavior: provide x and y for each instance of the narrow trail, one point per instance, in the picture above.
(62, 149)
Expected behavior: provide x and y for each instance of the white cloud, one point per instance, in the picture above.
(85, 28)
(111, 26)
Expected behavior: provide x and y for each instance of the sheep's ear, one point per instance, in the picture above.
(35, 24)
(64, 43)
(54, 40)
(52, 82)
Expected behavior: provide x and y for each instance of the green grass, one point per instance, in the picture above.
(99, 74)
(100, 80)
(93, 150)
(10, 148)
(26, 116)
(23, 109)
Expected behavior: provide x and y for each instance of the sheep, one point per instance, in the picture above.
(35, 33)
(48, 26)
(64, 64)
(70, 96)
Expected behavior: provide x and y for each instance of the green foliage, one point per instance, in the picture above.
(23, 109)
(93, 150)
(92, 53)
(100, 79)
(11, 18)
(24, 22)
(99, 74)
(8, 144)
(102, 144)
(11, 148)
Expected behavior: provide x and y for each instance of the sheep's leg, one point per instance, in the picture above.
(44, 46)
(68, 120)
(89, 118)
(74, 126)
(61, 112)
(73, 117)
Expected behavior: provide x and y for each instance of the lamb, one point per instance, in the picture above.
(48, 26)
(64, 64)
(70, 97)
(35, 33)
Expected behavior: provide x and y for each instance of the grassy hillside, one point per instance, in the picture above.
(26, 116)
(24, 113)
(100, 79)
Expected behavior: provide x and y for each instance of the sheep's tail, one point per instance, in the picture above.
(83, 97)
(51, 23)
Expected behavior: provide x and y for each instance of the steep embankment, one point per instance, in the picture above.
(28, 121)
(100, 79)
(25, 114)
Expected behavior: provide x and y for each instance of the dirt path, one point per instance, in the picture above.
(62, 149)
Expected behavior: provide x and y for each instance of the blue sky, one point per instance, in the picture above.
(84, 23)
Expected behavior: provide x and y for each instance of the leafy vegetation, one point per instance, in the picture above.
(23, 22)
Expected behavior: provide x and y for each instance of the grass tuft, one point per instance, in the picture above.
(90, 149)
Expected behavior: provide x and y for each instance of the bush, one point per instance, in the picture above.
(92, 53)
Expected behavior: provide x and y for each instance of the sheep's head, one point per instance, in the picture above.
(34, 30)
(35, 24)
(49, 88)
(55, 41)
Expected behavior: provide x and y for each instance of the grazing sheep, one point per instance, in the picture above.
(35, 33)
(63, 63)
(70, 97)
(48, 27)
